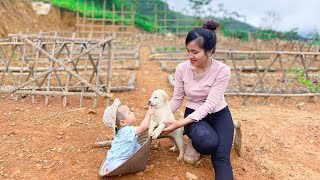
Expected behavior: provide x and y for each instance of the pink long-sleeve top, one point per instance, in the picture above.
(204, 93)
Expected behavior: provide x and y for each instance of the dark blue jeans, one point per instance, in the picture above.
(213, 135)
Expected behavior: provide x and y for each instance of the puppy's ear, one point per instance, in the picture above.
(165, 97)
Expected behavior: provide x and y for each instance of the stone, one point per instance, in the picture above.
(191, 176)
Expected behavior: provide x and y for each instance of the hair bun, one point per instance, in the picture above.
(211, 25)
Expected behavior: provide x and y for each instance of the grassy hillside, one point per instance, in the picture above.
(145, 18)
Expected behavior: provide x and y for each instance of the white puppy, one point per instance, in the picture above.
(159, 100)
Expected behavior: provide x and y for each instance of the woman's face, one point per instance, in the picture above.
(196, 54)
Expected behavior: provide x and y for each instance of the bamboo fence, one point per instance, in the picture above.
(266, 73)
(54, 66)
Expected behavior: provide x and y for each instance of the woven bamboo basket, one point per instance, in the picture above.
(138, 161)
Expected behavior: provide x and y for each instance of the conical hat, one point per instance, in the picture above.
(110, 115)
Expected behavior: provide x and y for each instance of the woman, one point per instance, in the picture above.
(207, 119)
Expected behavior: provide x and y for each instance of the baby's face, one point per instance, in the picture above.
(130, 118)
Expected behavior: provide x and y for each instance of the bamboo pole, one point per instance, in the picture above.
(92, 16)
(257, 70)
(22, 63)
(98, 73)
(132, 15)
(46, 101)
(113, 15)
(103, 19)
(85, 73)
(155, 19)
(83, 18)
(34, 72)
(57, 38)
(50, 93)
(304, 66)
(7, 64)
(77, 16)
(68, 75)
(264, 52)
(109, 70)
(122, 16)
(165, 19)
(272, 95)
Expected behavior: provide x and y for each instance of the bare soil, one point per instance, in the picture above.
(18, 16)
(280, 136)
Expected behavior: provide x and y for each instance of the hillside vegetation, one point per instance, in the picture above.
(145, 18)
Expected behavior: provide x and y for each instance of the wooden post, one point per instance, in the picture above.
(109, 73)
(77, 17)
(155, 19)
(113, 15)
(7, 63)
(84, 20)
(165, 19)
(103, 19)
(132, 16)
(22, 64)
(303, 60)
(87, 46)
(92, 17)
(46, 101)
(68, 75)
(122, 18)
(33, 97)
(98, 72)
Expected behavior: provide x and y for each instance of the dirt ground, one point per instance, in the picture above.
(280, 136)
(18, 17)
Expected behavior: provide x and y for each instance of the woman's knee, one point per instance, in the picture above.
(221, 155)
(205, 146)
(204, 138)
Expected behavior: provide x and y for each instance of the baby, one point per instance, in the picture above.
(124, 143)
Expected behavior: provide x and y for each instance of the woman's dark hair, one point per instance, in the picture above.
(205, 36)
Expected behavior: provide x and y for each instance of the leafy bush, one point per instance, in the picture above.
(314, 88)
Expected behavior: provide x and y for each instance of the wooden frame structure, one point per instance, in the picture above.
(56, 66)
(125, 52)
(165, 24)
(126, 56)
(87, 23)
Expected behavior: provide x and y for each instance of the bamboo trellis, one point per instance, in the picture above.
(126, 56)
(87, 23)
(269, 75)
(41, 60)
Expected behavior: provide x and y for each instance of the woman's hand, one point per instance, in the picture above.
(171, 125)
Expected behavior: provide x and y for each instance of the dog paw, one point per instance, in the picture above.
(174, 148)
(155, 135)
(150, 132)
(179, 158)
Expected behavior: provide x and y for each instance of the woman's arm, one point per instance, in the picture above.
(178, 93)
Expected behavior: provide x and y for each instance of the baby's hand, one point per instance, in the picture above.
(150, 111)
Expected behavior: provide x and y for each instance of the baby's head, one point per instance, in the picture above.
(124, 116)
(118, 115)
